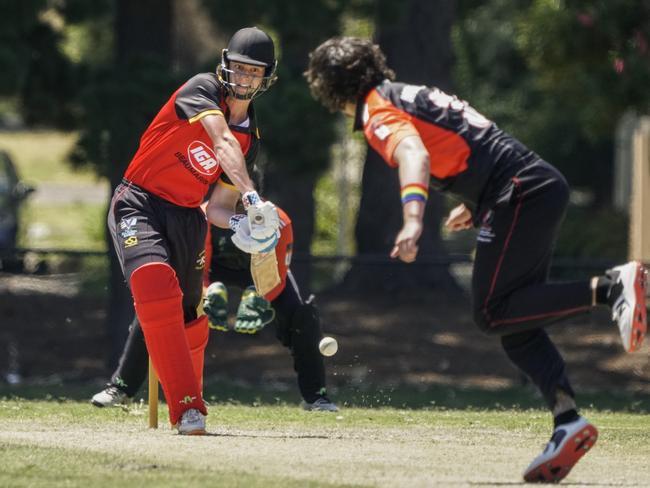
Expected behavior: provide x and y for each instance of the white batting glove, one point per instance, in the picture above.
(263, 219)
(250, 198)
(243, 239)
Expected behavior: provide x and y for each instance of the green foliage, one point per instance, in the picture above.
(593, 55)
(35, 69)
(325, 233)
(119, 102)
(40, 156)
(64, 226)
(557, 75)
(296, 131)
(18, 21)
(593, 234)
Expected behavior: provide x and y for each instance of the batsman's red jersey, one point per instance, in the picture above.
(176, 160)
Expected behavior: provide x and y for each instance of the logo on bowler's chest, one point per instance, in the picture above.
(202, 158)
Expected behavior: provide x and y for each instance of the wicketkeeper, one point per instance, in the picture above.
(515, 198)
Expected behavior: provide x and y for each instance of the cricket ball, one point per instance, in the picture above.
(328, 346)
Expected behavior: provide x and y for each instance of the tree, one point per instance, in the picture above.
(296, 131)
(36, 72)
(119, 100)
(558, 75)
(415, 36)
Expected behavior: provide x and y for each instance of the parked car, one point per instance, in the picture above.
(13, 193)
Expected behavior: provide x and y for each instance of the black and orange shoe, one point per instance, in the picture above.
(628, 297)
(568, 444)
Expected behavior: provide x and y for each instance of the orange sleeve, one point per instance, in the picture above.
(386, 126)
(282, 253)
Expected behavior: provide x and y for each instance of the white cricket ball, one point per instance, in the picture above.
(328, 346)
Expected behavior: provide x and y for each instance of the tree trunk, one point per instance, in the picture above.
(415, 36)
(132, 41)
(298, 130)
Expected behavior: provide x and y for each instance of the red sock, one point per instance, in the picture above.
(158, 304)
(197, 334)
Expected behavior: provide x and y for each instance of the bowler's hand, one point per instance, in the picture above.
(406, 242)
(460, 218)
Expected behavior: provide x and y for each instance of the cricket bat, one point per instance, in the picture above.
(264, 269)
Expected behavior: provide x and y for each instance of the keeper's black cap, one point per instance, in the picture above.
(251, 45)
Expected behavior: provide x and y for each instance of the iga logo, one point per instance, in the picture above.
(202, 158)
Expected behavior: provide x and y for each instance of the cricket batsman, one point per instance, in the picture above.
(199, 137)
(515, 198)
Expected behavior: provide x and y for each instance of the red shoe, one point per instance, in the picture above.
(568, 444)
(628, 306)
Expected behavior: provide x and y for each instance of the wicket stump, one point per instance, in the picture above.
(153, 397)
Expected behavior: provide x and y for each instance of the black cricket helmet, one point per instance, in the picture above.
(249, 45)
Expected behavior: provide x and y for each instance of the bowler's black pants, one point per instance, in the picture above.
(512, 296)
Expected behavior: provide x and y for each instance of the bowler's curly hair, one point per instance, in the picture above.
(344, 69)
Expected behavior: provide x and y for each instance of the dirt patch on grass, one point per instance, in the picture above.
(413, 456)
(418, 340)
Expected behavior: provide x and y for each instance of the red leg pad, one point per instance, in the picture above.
(158, 303)
(197, 334)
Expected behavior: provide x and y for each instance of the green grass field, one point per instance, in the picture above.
(41, 160)
(40, 156)
(69, 443)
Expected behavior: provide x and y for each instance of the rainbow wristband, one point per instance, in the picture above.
(414, 191)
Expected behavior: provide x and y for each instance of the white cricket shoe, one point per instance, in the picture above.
(192, 422)
(111, 396)
(321, 404)
(568, 444)
(628, 308)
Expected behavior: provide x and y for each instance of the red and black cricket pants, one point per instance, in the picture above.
(512, 295)
(160, 247)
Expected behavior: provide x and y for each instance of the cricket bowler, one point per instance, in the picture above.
(515, 199)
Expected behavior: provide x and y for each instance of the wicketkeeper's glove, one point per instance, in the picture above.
(254, 312)
(215, 306)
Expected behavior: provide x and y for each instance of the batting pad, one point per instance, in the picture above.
(197, 333)
(158, 303)
(264, 269)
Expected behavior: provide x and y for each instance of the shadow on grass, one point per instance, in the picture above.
(440, 397)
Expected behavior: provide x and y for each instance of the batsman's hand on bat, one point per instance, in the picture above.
(406, 242)
(244, 239)
(460, 218)
(262, 216)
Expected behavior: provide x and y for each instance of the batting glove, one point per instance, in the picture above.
(263, 219)
(243, 240)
